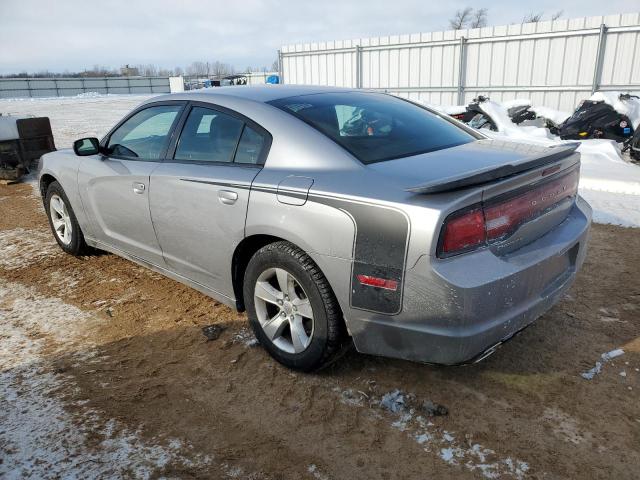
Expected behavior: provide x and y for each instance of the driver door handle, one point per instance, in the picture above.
(138, 188)
(227, 197)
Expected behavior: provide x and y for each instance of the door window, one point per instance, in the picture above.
(145, 134)
(209, 136)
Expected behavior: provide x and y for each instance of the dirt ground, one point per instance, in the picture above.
(141, 363)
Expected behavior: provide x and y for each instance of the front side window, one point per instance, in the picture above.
(209, 136)
(145, 134)
(375, 127)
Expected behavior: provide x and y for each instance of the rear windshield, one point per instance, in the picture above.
(375, 127)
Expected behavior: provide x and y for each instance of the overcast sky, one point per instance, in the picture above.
(60, 35)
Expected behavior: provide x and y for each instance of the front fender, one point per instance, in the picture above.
(63, 166)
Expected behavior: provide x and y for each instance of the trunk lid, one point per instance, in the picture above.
(525, 190)
(471, 164)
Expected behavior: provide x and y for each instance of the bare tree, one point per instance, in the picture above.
(148, 70)
(532, 17)
(557, 15)
(219, 69)
(197, 69)
(479, 18)
(461, 18)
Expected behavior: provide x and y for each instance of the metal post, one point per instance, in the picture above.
(462, 69)
(280, 67)
(359, 72)
(602, 44)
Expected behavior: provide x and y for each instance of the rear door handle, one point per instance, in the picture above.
(227, 197)
(138, 188)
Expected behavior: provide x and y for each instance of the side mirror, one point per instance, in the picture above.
(86, 146)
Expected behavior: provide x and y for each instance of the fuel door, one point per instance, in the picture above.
(294, 190)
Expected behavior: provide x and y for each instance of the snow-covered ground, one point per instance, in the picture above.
(608, 182)
(87, 115)
(39, 437)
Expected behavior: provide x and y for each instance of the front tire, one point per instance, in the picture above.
(291, 307)
(63, 222)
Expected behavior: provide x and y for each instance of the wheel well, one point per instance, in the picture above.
(244, 251)
(45, 181)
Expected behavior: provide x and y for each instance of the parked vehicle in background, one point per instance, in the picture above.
(478, 116)
(474, 115)
(23, 140)
(597, 118)
(331, 213)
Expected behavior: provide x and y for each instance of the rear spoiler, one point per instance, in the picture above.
(490, 174)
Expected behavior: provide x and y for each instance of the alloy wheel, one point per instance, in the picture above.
(60, 219)
(284, 310)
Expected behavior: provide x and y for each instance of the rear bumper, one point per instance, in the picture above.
(455, 310)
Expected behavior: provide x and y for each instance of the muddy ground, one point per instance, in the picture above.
(138, 362)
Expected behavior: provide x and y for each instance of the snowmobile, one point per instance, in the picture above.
(475, 117)
(521, 113)
(597, 119)
(634, 146)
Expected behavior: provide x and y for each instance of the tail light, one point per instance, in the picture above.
(497, 219)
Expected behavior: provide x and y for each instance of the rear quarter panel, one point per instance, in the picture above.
(325, 233)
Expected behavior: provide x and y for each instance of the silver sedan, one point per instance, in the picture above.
(332, 216)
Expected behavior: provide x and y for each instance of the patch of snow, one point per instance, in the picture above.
(517, 102)
(246, 337)
(556, 116)
(393, 401)
(21, 247)
(606, 357)
(452, 109)
(448, 437)
(39, 438)
(313, 470)
(447, 454)
(473, 457)
(612, 354)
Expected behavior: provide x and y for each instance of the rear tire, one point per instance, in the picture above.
(291, 307)
(62, 221)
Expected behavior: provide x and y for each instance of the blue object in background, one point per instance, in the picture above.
(273, 79)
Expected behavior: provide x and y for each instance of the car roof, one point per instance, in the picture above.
(258, 93)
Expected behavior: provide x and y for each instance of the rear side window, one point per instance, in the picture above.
(250, 146)
(375, 127)
(209, 136)
(144, 135)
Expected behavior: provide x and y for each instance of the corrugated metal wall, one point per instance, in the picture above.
(555, 64)
(62, 87)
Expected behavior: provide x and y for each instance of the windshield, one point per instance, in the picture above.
(375, 127)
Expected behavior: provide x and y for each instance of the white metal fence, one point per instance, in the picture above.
(61, 87)
(554, 63)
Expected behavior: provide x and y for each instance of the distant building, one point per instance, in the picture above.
(128, 71)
